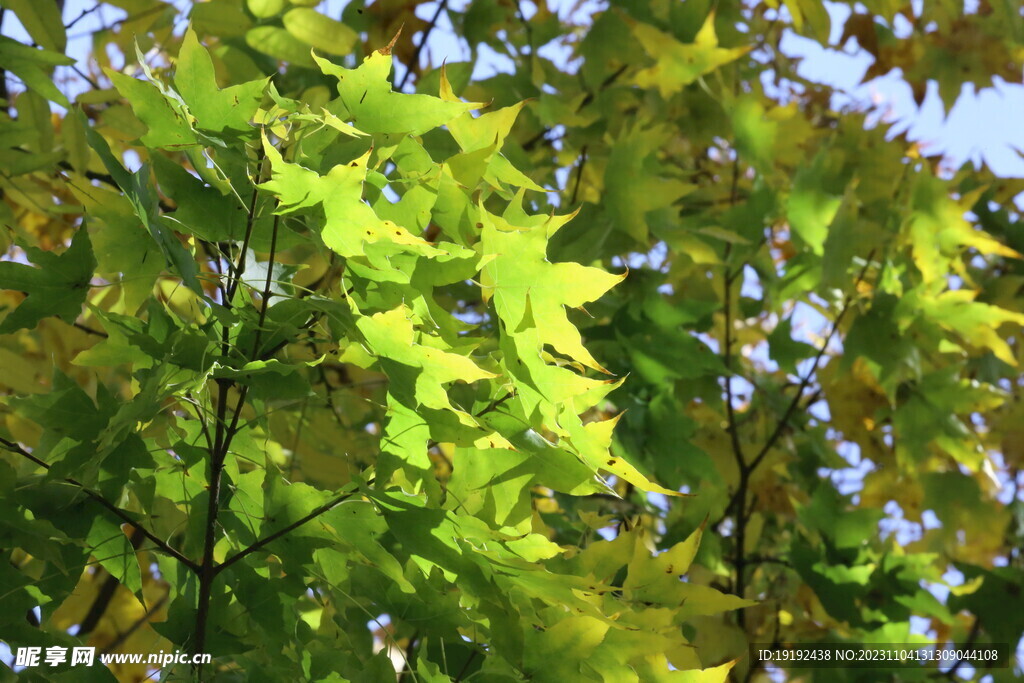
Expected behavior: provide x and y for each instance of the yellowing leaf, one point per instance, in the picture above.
(530, 293)
(593, 441)
(391, 337)
(715, 674)
(366, 99)
(678, 64)
(351, 222)
(978, 323)
(937, 230)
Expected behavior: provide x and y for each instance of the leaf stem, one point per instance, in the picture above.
(250, 223)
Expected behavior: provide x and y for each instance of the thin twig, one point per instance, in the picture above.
(250, 223)
(414, 61)
(407, 656)
(465, 667)
(791, 408)
(972, 637)
(89, 330)
(494, 404)
(579, 174)
(86, 77)
(83, 15)
(731, 425)
(802, 386)
(159, 7)
(326, 507)
(532, 142)
(209, 569)
(137, 624)
(105, 594)
(267, 294)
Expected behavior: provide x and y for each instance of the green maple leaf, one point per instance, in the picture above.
(633, 185)
(485, 135)
(58, 286)
(976, 322)
(391, 336)
(144, 203)
(530, 296)
(215, 110)
(937, 230)
(165, 118)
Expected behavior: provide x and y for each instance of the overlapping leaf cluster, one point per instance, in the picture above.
(267, 245)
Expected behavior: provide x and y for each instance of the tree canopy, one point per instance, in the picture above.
(340, 358)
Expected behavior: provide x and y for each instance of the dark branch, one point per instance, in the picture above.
(137, 624)
(121, 514)
(791, 408)
(579, 174)
(241, 554)
(413, 64)
(89, 330)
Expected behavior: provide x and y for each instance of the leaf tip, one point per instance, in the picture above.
(386, 50)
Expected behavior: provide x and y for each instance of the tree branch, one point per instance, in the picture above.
(791, 408)
(250, 224)
(89, 330)
(137, 624)
(209, 569)
(414, 62)
(738, 500)
(579, 174)
(241, 554)
(124, 516)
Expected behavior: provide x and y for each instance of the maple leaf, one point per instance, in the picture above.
(215, 110)
(680, 64)
(58, 286)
